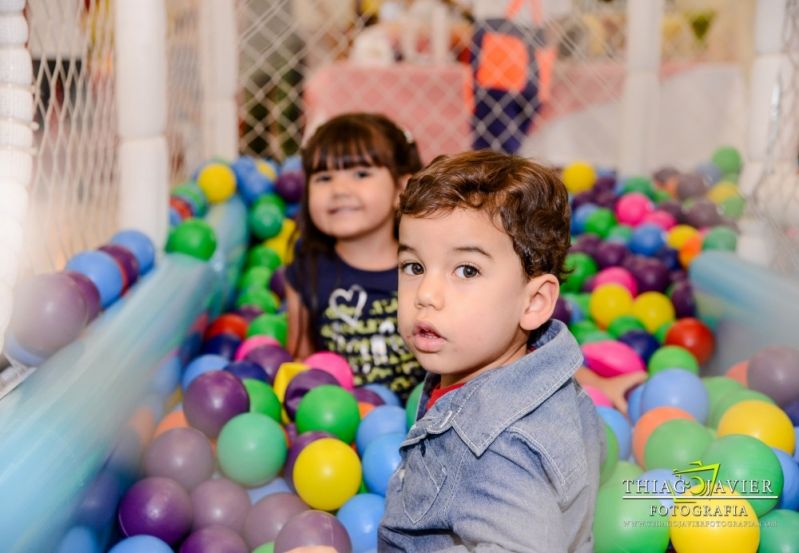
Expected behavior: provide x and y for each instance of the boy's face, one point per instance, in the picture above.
(465, 304)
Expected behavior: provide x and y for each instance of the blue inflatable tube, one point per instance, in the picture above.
(747, 306)
(67, 423)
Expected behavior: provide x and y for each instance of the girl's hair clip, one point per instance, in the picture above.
(408, 135)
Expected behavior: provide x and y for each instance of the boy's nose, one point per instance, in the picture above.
(430, 292)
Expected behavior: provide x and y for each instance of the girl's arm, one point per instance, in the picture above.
(299, 342)
(615, 387)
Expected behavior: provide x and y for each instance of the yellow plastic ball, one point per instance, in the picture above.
(578, 176)
(720, 525)
(284, 374)
(762, 420)
(266, 169)
(282, 241)
(608, 302)
(327, 474)
(679, 235)
(654, 310)
(722, 191)
(217, 181)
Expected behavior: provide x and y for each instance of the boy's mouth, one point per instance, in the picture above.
(426, 339)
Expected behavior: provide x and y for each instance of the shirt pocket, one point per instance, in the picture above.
(423, 481)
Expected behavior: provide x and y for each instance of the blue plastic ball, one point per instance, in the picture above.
(385, 419)
(139, 245)
(291, 163)
(643, 343)
(621, 428)
(78, 539)
(660, 482)
(670, 258)
(202, 365)
(790, 488)
(141, 544)
(102, 270)
(221, 344)
(361, 517)
(647, 239)
(634, 403)
(380, 460)
(676, 388)
(580, 216)
(247, 369)
(174, 217)
(388, 397)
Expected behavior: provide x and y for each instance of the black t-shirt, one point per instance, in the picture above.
(354, 313)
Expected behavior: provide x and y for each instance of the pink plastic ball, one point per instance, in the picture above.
(253, 342)
(663, 219)
(617, 275)
(632, 208)
(598, 397)
(609, 358)
(334, 364)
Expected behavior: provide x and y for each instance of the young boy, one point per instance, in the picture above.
(505, 452)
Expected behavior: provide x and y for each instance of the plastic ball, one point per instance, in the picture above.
(174, 419)
(251, 449)
(313, 528)
(702, 213)
(580, 216)
(192, 193)
(278, 283)
(717, 387)
(327, 474)
(222, 502)
(727, 159)
(103, 270)
(361, 517)
(263, 399)
(265, 220)
(620, 234)
(214, 398)
(580, 267)
(733, 208)
(385, 419)
(659, 218)
(691, 185)
(779, 532)
(182, 454)
(608, 302)
(370, 397)
(689, 250)
(682, 298)
(270, 324)
(679, 234)
(269, 515)
(201, 365)
(158, 507)
(214, 539)
(249, 344)
(610, 254)
(331, 409)
(764, 421)
(673, 357)
(720, 238)
(128, 264)
(217, 181)
(789, 499)
(647, 239)
(746, 458)
(270, 357)
(255, 277)
(297, 445)
(282, 244)
(578, 176)
(610, 358)
(380, 459)
(140, 245)
(276, 485)
(617, 275)
(221, 345)
(49, 312)
(730, 399)
(290, 185)
(227, 324)
(262, 256)
(641, 342)
(262, 298)
(694, 336)
(299, 386)
(621, 428)
(600, 221)
(675, 444)
(192, 237)
(632, 208)
(653, 309)
(141, 544)
(722, 191)
(648, 422)
(676, 388)
(642, 185)
(412, 406)
(247, 370)
(334, 364)
(774, 371)
(633, 397)
(89, 292)
(598, 397)
(562, 311)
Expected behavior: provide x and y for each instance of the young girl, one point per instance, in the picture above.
(342, 285)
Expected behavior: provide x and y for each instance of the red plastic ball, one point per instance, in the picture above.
(227, 324)
(693, 335)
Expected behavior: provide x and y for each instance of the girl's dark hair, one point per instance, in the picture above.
(346, 141)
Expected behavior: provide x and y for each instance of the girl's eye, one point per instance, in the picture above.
(323, 177)
(363, 173)
(467, 271)
(412, 268)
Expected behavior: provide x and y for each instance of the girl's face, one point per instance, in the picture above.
(353, 203)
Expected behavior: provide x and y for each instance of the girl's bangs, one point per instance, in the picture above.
(353, 147)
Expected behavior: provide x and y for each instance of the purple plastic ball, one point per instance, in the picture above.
(214, 539)
(270, 358)
(365, 395)
(182, 454)
(290, 186)
(605, 198)
(643, 343)
(691, 185)
(268, 517)
(249, 312)
(562, 311)
(665, 173)
(49, 312)
(127, 262)
(702, 214)
(670, 258)
(651, 275)
(581, 199)
(610, 254)
(673, 208)
(157, 507)
(247, 369)
(313, 528)
(297, 445)
(682, 296)
(586, 243)
(220, 502)
(212, 399)
(89, 291)
(302, 384)
(278, 282)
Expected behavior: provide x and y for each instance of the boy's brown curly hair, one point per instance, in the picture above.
(526, 198)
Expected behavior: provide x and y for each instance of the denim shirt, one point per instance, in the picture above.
(508, 462)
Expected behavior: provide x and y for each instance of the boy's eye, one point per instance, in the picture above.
(466, 271)
(412, 268)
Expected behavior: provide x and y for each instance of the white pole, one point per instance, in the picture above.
(219, 75)
(640, 99)
(141, 90)
(16, 146)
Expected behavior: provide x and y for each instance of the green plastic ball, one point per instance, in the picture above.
(717, 387)
(273, 199)
(269, 324)
(263, 399)
(251, 449)
(331, 409)
(621, 233)
(256, 277)
(730, 399)
(727, 159)
(720, 238)
(675, 444)
(672, 357)
(779, 532)
(733, 207)
(660, 195)
(265, 220)
(600, 222)
(744, 458)
(265, 548)
(625, 471)
(579, 266)
(261, 256)
(192, 237)
(624, 324)
(611, 455)
(259, 297)
(192, 193)
(412, 405)
(627, 524)
(660, 333)
(639, 184)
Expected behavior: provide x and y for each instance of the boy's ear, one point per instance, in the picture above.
(541, 295)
